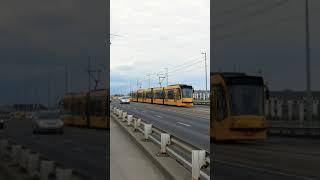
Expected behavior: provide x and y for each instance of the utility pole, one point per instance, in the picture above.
(161, 77)
(137, 84)
(130, 86)
(308, 73)
(89, 74)
(159, 81)
(149, 79)
(89, 89)
(205, 69)
(167, 76)
(49, 93)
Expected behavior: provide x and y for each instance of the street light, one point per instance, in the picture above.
(205, 68)
(308, 73)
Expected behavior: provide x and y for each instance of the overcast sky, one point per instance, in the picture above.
(267, 35)
(40, 37)
(150, 35)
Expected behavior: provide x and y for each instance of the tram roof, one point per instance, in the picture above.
(239, 78)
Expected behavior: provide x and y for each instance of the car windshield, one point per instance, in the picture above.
(246, 99)
(125, 97)
(48, 115)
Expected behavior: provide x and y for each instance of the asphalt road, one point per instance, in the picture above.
(189, 124)
(84, 150)
(278, 158)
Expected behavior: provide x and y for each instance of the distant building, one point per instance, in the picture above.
(293, 95)
(29, 107)
(201, 95)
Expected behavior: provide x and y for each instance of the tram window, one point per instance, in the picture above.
(170, 94)
(149, 94)
(161, 94)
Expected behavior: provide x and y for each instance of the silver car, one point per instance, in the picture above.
(125, 100)
(47, 121)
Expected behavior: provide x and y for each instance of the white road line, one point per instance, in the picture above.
(157, 116)
(188, 125)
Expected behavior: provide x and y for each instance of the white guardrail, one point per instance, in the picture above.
(200, 159)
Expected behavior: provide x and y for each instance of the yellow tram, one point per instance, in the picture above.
(237, 107)
(176, 95)
(86, 109)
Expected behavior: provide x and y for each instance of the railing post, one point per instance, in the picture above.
(129, 119)
(33, 163)
(147, 131)
(120, 114)
(290, 103)
(198, 161)
(138, 122)
(165, 140)
(279, 110)
(301, 112)
(16, 150)
(266, 108)
(24, 158)
(315, 108)
(3, 146)
(124, 115)
(46, 168)
(272, 108)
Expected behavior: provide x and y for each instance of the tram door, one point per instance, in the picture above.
(219, 111)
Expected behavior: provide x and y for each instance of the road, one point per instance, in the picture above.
(189, 124)
(82, 149)
(276, 158)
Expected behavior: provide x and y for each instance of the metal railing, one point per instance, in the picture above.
(293, 128)
(193, 158)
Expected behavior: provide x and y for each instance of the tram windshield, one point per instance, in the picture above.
(246, 99)
(187, 91)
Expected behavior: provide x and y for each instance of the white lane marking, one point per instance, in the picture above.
(188, 125)
(157, 116)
